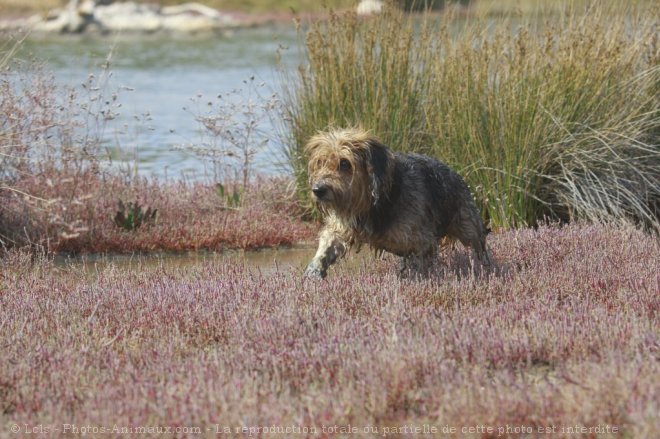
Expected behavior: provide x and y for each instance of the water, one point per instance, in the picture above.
(158, 75)
(267, 261)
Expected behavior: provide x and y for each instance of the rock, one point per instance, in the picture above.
(128, 16)
(188, 24)
(57, 21)
(194, 17)
(369, 7)
(191, 9)
(111, 16)
(68, 19)
(87, 7)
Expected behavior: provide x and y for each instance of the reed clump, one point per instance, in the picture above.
(546, 116)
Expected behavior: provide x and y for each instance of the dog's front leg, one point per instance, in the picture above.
(331, 248)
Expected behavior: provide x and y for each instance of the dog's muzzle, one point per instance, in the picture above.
(321, 191)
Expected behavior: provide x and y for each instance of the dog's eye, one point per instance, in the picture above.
(344, 165)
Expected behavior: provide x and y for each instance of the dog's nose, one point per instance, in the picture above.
(320, 190)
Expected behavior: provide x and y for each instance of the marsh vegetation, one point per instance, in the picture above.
(551, 117)
(546, 116)
(566, 334)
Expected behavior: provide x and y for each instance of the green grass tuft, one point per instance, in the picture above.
(552, 115)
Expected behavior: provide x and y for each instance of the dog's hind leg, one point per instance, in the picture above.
(468, 228)
(419, 265)
(331, 248)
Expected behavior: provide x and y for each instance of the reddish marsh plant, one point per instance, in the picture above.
(567, 336)
(55, 193)
(51, 136)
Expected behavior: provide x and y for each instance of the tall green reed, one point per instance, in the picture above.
(551, 116)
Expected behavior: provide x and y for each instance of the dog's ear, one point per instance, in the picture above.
(378, 169)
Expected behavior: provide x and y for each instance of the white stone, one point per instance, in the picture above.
(191, 8)
(87, 7)
(128, 16)
(52, 24)
(112, 16)
(369, 7)
(188, 23)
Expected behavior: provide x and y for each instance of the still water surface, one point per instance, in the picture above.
(265, 262)
(262, 262)
(157, 76)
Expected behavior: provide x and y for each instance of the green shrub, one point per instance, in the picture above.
(555, 116)
(131, 215)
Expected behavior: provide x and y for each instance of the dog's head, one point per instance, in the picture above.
(349, 170)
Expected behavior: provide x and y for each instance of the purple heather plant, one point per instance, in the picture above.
(565, 335)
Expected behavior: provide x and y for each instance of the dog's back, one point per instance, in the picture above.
(433, 199)
(442, 190)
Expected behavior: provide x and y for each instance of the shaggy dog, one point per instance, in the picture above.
(400, 203)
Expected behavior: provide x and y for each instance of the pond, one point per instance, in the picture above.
(266, 261)
(163, 82)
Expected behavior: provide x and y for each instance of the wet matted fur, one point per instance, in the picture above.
(400, 203)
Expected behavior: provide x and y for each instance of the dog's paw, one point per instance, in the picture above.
(313, 272)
